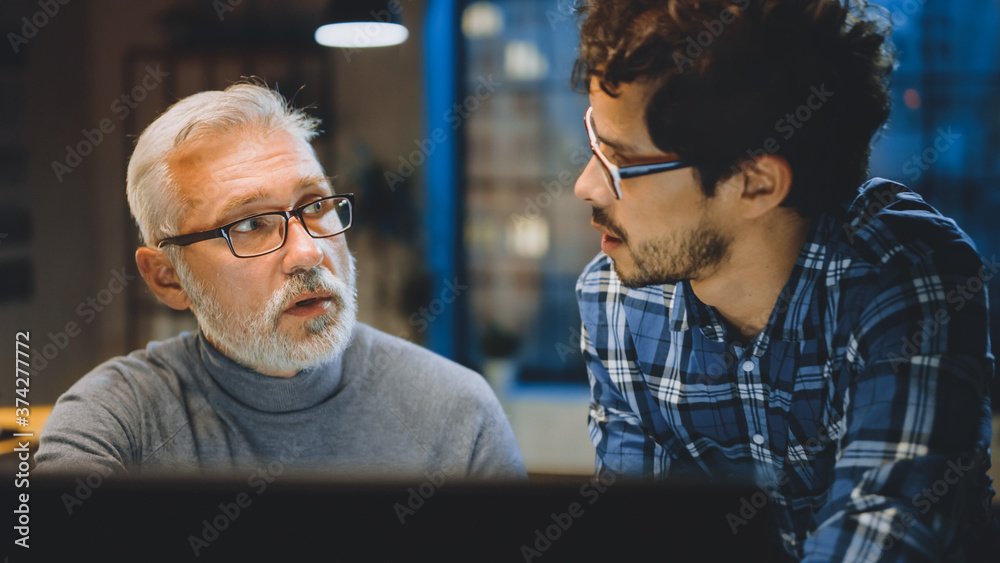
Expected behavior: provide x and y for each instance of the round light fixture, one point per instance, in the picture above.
(359, 35)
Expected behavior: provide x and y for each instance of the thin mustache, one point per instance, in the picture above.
(314, 280)
(600, 218)
(317, 279)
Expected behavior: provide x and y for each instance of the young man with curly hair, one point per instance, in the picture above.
(761, 309)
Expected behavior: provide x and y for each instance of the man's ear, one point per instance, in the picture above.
(766, 183)
(161, 277)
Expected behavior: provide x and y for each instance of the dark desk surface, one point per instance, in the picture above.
(294, 518)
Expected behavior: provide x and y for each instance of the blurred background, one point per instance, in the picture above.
(462, 144)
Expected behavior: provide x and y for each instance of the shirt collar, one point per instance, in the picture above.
(791, 313)
(267, 393)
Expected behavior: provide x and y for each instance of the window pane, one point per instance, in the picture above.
(527, 238)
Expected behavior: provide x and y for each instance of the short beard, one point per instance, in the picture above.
(662, 261)
(255, 339)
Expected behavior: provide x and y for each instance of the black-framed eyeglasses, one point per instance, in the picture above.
(264, 233)
(614, 173)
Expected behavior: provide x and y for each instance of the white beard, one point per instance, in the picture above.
(255, 338)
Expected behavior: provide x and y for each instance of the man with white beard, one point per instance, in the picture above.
(241, 225)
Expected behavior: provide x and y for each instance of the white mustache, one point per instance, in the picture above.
(318, 279)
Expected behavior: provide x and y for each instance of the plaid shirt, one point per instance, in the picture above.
(861, 410)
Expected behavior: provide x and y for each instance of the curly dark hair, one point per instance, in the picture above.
(804, 79)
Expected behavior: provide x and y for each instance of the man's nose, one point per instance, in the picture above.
(302, 252)
(592, 185)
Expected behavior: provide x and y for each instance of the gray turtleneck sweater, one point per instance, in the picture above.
(384, 408)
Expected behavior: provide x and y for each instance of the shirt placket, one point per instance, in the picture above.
(752, 396)
(767, 464)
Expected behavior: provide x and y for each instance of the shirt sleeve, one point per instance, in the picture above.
(496, 454)
(909, 478)
(623, 445)
(91, 428)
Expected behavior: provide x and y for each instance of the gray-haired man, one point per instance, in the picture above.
(242, 227)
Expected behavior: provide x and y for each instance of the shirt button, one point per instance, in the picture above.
(758, 439)
(748, 365)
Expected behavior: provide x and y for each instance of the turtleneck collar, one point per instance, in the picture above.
(268, 393)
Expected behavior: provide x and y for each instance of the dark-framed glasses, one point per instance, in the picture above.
(264, 233)
(614, 173)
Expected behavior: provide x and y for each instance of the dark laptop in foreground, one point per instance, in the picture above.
(267, 516)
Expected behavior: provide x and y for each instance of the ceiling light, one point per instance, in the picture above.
(359, 24)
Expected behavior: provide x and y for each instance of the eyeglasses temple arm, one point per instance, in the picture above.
(644, 169)
(192, 238)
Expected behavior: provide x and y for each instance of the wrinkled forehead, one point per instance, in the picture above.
(223, 149)
(212, 170)
(233, 159)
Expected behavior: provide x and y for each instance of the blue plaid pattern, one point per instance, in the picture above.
(861, 411)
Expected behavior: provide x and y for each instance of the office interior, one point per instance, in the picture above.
(462, 144)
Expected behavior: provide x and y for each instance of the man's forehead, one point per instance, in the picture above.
(220, 172)
(222, 149)
(260, 193)
(620, 119)
(216, 160)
